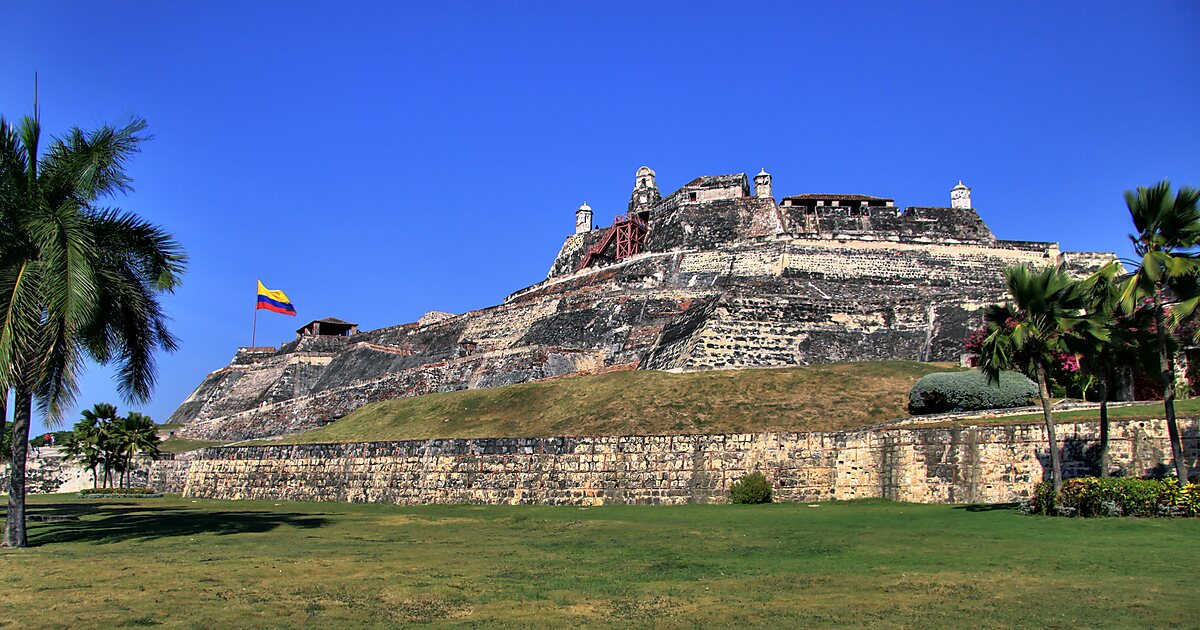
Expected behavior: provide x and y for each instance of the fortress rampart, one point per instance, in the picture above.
(929, 465)
(715, 275)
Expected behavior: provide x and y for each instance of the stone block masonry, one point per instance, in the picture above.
(989, 464)
(724, 280)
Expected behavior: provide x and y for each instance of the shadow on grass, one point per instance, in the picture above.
(987, 507)
(118, 522)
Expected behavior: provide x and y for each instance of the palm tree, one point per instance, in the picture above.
(77, 280)
(135, 433)
(3, 422)
(1044, 315)
(98, 422)
(1129, 342)
(1168, 233)
(84, 443)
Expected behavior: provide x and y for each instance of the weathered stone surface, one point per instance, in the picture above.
(727, 280)
(927, 465)
(49, 470)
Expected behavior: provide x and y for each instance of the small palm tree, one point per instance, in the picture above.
(142, 438)
(96, 427)
(1129, 341)
(77, 280)
(1044, 315)
(84, 445)
(1168, 235)
(135, 433)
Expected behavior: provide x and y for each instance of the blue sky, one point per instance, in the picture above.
(379, 160)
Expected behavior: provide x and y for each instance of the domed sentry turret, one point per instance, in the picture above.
(960, 196)
(645, 191)
(583, 219)
(762, 184)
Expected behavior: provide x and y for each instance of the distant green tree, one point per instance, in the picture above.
(1166, 242)
(133, 434)
(54, 438)
(1045, 314)
(94, 436)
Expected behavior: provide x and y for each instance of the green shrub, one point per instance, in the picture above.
(969, 391)
(752, 488)
(1117, 496)
(100, 492)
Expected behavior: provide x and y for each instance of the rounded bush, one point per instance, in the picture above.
(1117, 496)
(753, 488)
(970, 391)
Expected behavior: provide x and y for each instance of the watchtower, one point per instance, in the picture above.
(583, 219)
(762, 185)
(960, 196)
(645, 191)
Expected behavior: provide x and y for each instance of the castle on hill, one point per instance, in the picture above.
(715, 275)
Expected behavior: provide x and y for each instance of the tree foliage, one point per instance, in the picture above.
(103, 441)
(1167, 276)
(1045, 316)
(78, 279)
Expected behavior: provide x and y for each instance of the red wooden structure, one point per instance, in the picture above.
(629, 232)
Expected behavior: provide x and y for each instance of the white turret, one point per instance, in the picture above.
(960, 196)
(583, 219)
(762, 185)
(645, 191)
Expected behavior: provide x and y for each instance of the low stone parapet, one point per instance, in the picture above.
(929, 465)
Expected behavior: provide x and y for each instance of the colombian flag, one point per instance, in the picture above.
(276, 301)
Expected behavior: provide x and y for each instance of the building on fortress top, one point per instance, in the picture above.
(328, 327)
(719, 210)
(810, 202)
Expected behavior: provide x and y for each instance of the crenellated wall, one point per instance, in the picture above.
(928, 465)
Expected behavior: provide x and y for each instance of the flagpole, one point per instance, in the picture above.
(254, 326)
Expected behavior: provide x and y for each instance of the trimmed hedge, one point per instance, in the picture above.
(752, 488)
(1116, 496)
(969, 391)
(104, 492)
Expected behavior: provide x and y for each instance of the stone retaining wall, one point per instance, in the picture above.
(48, 470)
(928, 465)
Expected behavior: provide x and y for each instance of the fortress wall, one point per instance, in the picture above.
(758, 330)
(927, 465)
(315, 410)
(230, 389)
(925, 264)
(49, 470)
(504, 325)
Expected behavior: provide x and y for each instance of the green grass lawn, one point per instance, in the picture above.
(645, 402)
(181, 445)
(1184, 408)
(205, 564)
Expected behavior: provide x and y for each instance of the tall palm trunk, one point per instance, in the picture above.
(14, 529)
(1055, 459)
(3, 414)
(1104, 459)
(1166, 363)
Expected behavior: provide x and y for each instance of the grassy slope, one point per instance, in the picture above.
(812, 398)
(211, 564)
(1184, 407)
(180, 445)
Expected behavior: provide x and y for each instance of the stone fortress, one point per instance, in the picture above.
(715, 275)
